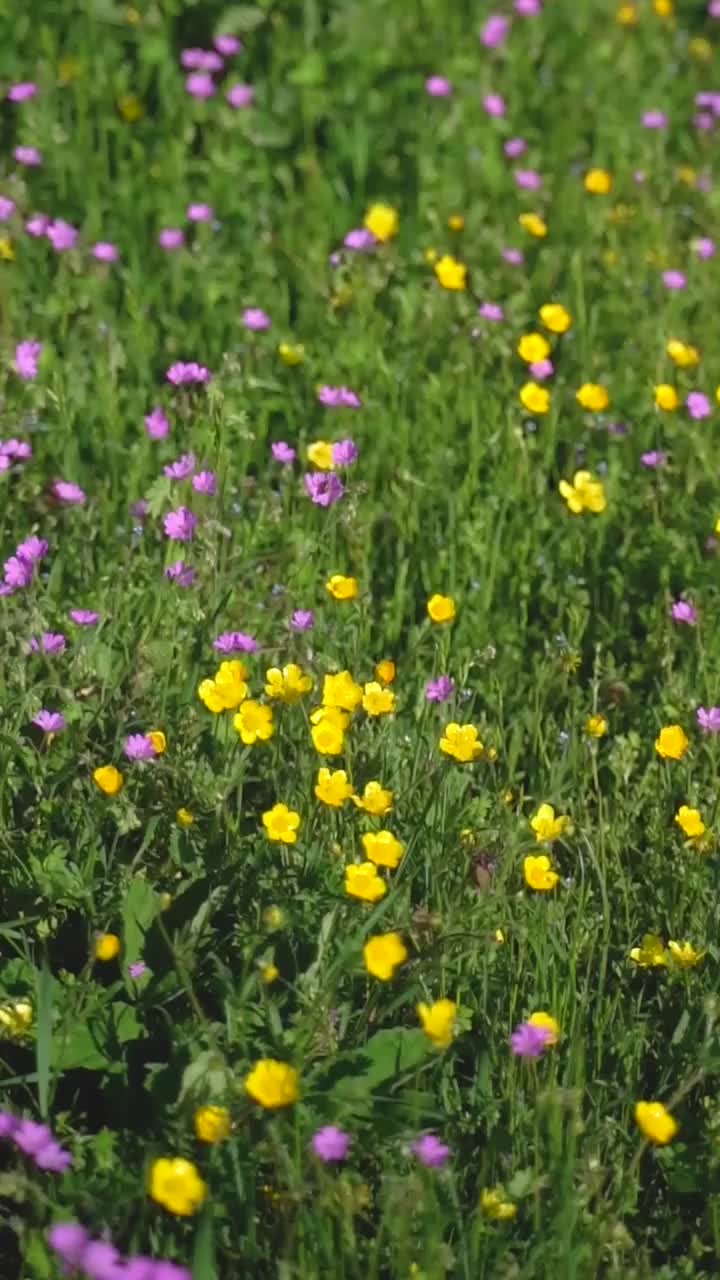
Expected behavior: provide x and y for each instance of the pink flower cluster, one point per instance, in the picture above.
(35, 1141)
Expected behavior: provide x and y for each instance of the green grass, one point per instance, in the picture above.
(455, 491)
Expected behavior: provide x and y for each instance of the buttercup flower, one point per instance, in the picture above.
(382, 848)
(534, 398)
(533, 224)
(441, 608)
(382, 220)
(184, 818)
(666, 397)
(254, 722)
(672, 742)
(385, 670)
(461, 741)
(327, 733)
(176, 1184)
(340, 690)
(383, 954)
(333, 788)
(341, 588)
(108, 779)
(555, 317)
(690, 822)
(546, 825)
(598, 182)
(438, 1021)
(548, 1023)
(684, 954)
(592, 397)
(533, 347)
(362, 881)
(211, 1124)
(494, 1205)
(655, 1122)
(375, 799)
(651, 953)
(596, 726)
(450, 273)
(584, 494)
(539, 873)
(281, 824)
(682, 354)
(287, 684)
(376, 700)
(106, 946)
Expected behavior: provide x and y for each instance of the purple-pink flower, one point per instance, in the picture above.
(438, 87)
(527, 179)
(16, 450)
(182, 373)
(37, 225)
(494, 104)
(527, 8)
(235, 641)
(542, 369)
(240, 95)
(653, 458)
(201, 60)
(528, 1040)
(139, 747)
(69, 492)
(338, 397)
(683, 611)
(344, 453)
(49, 642)
(708, 719)
(227, 45)
(330, 1144)
(200, 84)
(156, 424)
(704, 247)
(204, 482)
(21, 91)
(256, 319)
(654, 119)
(7, 208)
(674, 279)
(84, 617)
(181, 467)
(49, 721)
(170, 238)
(323, 487)
(302, 620)
(36, 1141)
(360, 240)
(180, 525)
(199, 213)
(514, 257)
(514, 147)
(182, 574)
(491, 311)
(430, 1151)
(697, 405)
(439, 689)
(28, 156)
(282, 452)
(105, 251)
(27, 354)
(494, 31)
(61, 234)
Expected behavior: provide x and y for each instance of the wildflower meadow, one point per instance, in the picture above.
(360, 679)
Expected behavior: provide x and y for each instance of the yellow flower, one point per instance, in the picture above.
(288, 684)
(184, 818)
(291, 352)
(430, 255)
(651, 953)
(333, 788)
(269, 973)
(158, 739)
(383, 954)
(684, 954)
(533, 347)
(212, 1124)
(362, 881)
(208, 694)
(584, 494)
(666, 397)
(68, 68)
(15, 1019)
(438, 1021)
(655, 1122)
(281, 824)
(456, 222)
(450, 273)
(176, 1185)
(273, 917)
(254, 722)
(378, 701)
(493, 1205)
(700, 48)
(596, 726)
(229, 684)
(7, 253)
(340, 690)
(533, 224)
(272, 1083)
(539, 873)
(441, 608)
(682, 354)
(328, 738)
(461, 742)
(555, 317)
(320, 454)
(534, 398)
(690, 822)
(671, 742)
(106, 946)
(598, 182)
(546, 826)
(382, 221)
(385, 670)
(663, 8)
(130, 107)
(546, 1020)
(685, 173)
(375, 799)
(341, 588)
(382, 848)
(592, 396)
(108, 779)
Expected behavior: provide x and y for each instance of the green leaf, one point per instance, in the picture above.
(239, 18)
(139, 910)
(310, 71)
(203, 1263)
(95, 1045)
(43, 1039)
(393, 1051)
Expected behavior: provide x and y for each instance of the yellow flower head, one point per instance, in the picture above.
(382, 848)
(254, 722)
(461, 742)
(108, 779)
(362, 881)
(383, 954)
(375, 799)
(227, 688)
(184, 818)
(700, 49)
(269, 973)
(158, 739)
(555, 317)
(272, 1083)
(682, 354)
(176, 1184)
(550, 1024)
(534, 398)
(666, 397)
(385, 670)
(340, 690)
(533, 224)
(655, 1122)
(15, 1019)
(592, 396)
(287, 684)
(450, 273)
(7, 252)
(382, 221)
(690, 822)
(456, 222)
(69, 68)
(212, 1124)
(671, 742)
(539, 873)
(584, 494)
(376, 700)
(333, 788)
(291, 353)
(106, 946)
(130, 107)
(684, 954)
(320, 454)
(281, 824)
(341, 588)
(438, 1021)
(441, 608)
(546, 825)
(533, 347)
(494, 1205)
(596, 726)
(598, 182)
(651, 953)
(273, 917)
(663, 8)
(328, 738)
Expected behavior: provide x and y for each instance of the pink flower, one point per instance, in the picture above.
(240, 95)
(697, 405)
(527, 179)
(714, 9)
(104, 251)
(494, 31)
(528, 1040)
(514, 257)
(704, 247)
(181, 573)
(330, 1144)
(674, 279)
(708, 718)
(227, 45)
(338, 397)
(234, 641)
(344, 453)
(542, 369)
(302, 620)
(494, 104)
(282, 452)
(61, 234)
(37, 225)
(181, 467)
(359, 239)
(49, 721)
(20, 450)
(84, 617)
(324, 488)
(199, 213)
(49, 642)
(204, 482)
(430, 1151)
(26, 358)
(180, 525)
(491, 311)
(156, 424)
(28, 156)
(170, 238)
(7, 208)
(67, 491)
(199, 84)
(438, 87)
(653, 458)
(256, 319)
(683, 611)
(654, 119)
(201, 60)
(182, 373)
(528, 8)
(22, 91)
(139, 747)
(514, 147)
